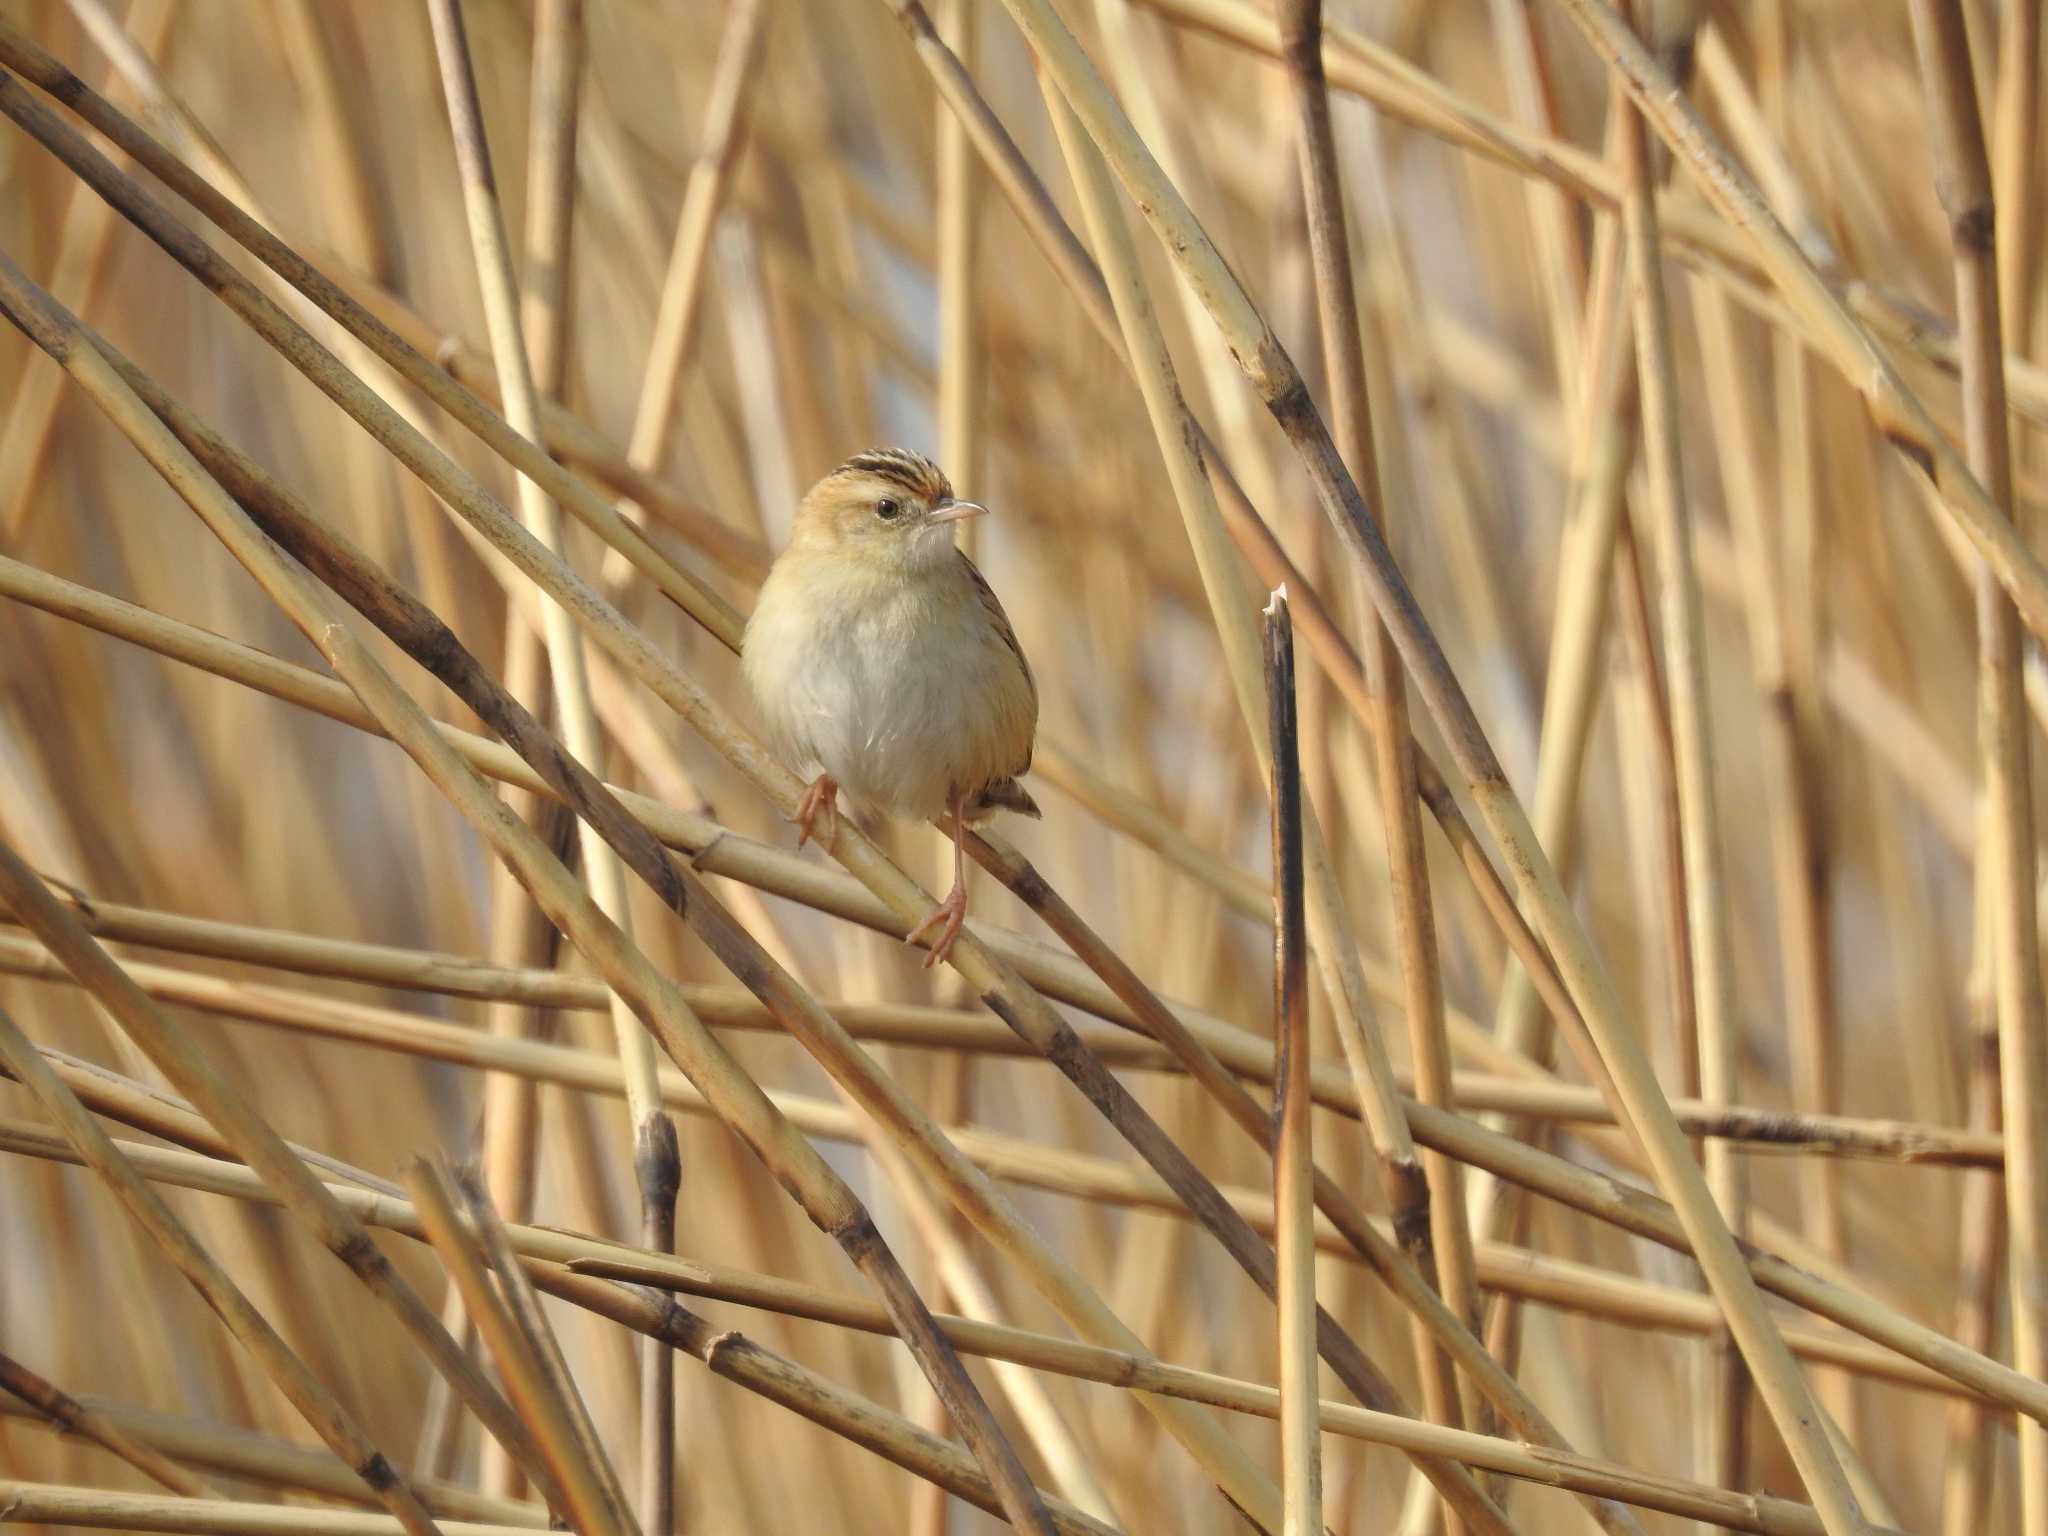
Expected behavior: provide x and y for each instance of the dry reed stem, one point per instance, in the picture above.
(2006, 856)
(93, 1147)
(957, 394)
(1967, 1486)
(1229, 600)
(520, 933)
(1792, 787)
(1293, 1146)
(1602, 446)
(70, 1416)
(1273, 375)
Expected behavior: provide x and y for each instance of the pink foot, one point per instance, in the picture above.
(948, 915)
(820, 803)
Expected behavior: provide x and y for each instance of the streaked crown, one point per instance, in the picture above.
(910, 472)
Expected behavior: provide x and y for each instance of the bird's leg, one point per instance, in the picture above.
(952, 912)
(820, 803)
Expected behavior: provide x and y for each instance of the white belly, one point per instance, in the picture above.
(902, 690)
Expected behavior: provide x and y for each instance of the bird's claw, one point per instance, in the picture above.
(820, 802)
(948, 916)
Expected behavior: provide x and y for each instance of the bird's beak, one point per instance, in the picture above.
(957, 511)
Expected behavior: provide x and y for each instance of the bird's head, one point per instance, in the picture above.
(889, 506)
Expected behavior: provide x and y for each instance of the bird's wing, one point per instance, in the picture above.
(994, 607)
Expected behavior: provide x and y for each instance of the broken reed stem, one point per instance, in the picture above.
(74, 1418)
(1231, 611)
(1682, 624)
(593, 1504)
(730, 1354)
(1280, 385)
(2006, 851)
(321, 1410)
(1293, 1151)
(1224, 588)
(829, 1202)
(1301, 24)
(481, 1223)
(656, 1159)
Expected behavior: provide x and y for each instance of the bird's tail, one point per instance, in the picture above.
(1004, 795)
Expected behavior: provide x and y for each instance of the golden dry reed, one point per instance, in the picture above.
(1567, 1020)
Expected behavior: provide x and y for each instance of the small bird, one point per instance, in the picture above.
(883, 663)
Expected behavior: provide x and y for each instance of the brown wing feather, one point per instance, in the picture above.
(994, 607)
(1001, 620)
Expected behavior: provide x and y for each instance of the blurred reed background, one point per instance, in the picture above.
(1721, 630)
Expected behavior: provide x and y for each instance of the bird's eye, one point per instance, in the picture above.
(888, 508)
